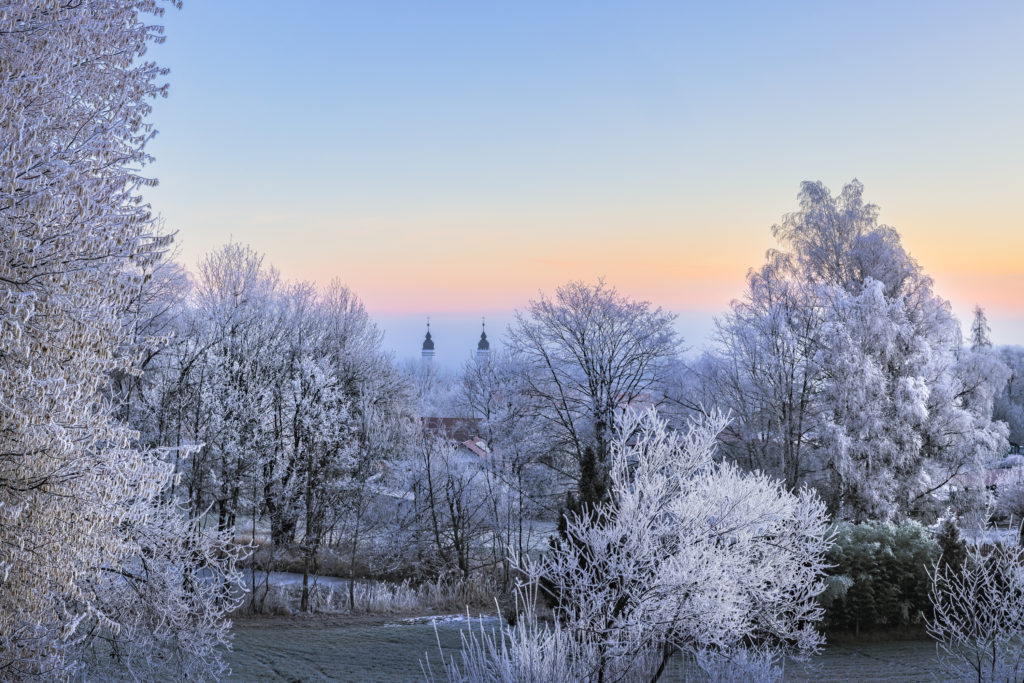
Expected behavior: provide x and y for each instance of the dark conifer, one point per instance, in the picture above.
(954, 549)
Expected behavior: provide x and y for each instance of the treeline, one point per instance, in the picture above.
(290, 427)
(274, 401)
(840, 369)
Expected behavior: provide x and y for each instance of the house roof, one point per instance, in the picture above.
(477, 447)
(455, 428)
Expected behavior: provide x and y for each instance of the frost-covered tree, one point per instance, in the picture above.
(588, 353)
(494, 391)
(245, 316)
(290, 407)
(437, 389)
(767, 375)
(1009, 404)
(82, 550)
(451, 490)
(979, 615)
(687, 556)
(844, 369)
(981, 333)
(153, 318)
(171, 599)
(381, 412)
(1010, 498)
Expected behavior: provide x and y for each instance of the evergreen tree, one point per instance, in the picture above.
(592, 491)
(953, 547)
(980, 332)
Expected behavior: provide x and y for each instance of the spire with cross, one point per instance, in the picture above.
(483, 347)
(428, 345)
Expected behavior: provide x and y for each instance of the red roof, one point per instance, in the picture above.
(456, 428)
(478, 447)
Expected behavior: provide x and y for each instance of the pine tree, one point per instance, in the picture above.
(591, 493)
(954, 549)
(592, 489)
(980, 331)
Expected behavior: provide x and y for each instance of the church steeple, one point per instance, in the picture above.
(483, 347)
(428, 345)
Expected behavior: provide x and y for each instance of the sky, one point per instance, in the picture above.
(454, 159)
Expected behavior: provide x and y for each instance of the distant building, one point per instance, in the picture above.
(483, 347)
(462, 432)
(428, 347)
(477, 447)
(457, 429)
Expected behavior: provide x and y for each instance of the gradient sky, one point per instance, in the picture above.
(452, 159)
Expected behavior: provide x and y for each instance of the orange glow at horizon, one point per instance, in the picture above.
(419, 264)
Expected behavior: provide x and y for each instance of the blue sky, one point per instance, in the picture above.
(454, 158)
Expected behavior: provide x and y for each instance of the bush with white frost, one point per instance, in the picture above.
(687, 557)
(979, 614)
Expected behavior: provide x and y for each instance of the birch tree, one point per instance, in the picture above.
(587, 353)
(844, 369)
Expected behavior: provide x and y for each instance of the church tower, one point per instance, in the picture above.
(483, 347)
(428, 347)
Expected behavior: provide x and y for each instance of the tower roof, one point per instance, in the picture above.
(428, 342)
(483, 344)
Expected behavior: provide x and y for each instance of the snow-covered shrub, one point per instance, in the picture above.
(979, 615)
(369, 597)
(878, 575)
(534, 651)
(451, 592)
(1010, 503)
(686, 556)
(445, 594)
(972, 505)
(750, 664)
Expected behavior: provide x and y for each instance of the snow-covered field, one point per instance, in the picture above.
(365, 650)
(391, 650)
(381, 648)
